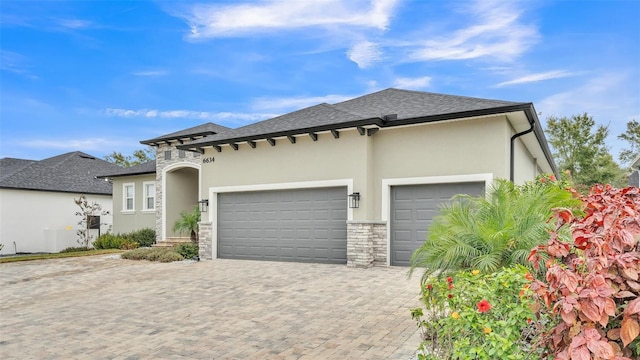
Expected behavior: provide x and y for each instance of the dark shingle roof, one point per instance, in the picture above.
(71, 172)
(413, 104)
(408, 106)
(148, 167)
(9, 166)
(193, 132)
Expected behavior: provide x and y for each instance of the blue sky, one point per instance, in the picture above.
(99, 76)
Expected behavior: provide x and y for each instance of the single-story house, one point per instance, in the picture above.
(356, 182)
(634, 177)
(37, 208)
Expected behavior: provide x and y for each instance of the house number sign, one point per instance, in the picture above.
(208, 160)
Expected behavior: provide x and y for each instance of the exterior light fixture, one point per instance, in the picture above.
(354, 200)
(203, 205)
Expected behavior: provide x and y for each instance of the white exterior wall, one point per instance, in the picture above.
(43, 221)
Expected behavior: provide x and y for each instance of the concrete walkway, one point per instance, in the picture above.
(102, 307)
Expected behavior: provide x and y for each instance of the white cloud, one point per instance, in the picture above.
(601, 94)
(74, 23)
(150, 73)
(15, 63)
(295, 103)
(412, 83)
(86, 144)
(214, 20)
(175, 114)
(494, 29)
(538, 77)
(364, 54)
(607, 98)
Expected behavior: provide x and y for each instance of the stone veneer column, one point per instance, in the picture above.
(205, 240)
(161, 163)
(366, 243)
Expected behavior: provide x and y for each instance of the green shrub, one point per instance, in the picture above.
(75, 249)
(470, 315)
(129, 245)
(494, 231)
(187, 250)
(144, 237)
(153, 254)
(109, 241)
(169, 256)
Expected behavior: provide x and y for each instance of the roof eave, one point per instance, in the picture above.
(59, 191)
(539, 132)
(159, 140)
(123, 175)
(349, 124)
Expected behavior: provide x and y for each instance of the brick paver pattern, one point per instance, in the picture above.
(103, 307)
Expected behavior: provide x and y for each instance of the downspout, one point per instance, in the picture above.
(513, 139)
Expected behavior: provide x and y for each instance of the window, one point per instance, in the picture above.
(196, 154)
(149, 195)
(181, 154)
(167, 155)
(128, 196)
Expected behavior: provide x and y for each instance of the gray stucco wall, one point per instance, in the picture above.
(127, 221)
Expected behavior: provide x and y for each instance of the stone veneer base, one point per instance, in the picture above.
(366, 243)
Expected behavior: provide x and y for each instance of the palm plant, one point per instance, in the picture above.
(188, 222)
(488, 233)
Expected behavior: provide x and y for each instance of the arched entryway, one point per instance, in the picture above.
(181, 191)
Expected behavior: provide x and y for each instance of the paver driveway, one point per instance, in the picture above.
(102, 307)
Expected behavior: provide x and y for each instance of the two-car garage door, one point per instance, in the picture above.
(302, 225)
(310, 225)
(413, 207)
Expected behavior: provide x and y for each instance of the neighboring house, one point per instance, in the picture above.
(37, 209)
(634, 177)
(135, 190)
(356, 182)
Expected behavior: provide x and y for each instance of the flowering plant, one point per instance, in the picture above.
(477, 316)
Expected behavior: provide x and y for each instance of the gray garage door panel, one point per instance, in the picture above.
(302, 225)
(412, 209)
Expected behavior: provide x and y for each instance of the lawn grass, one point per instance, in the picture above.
(11, 259)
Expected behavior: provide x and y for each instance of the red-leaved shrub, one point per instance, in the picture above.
(592, 283)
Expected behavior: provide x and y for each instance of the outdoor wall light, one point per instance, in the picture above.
(354, 200)
(203, 205)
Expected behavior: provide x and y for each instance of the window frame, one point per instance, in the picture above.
(146, 196)
(125, 198)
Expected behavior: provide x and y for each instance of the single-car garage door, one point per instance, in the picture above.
(412, 209)
(303, 225)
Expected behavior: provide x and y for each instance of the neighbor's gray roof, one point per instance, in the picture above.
(409, 106)
(73, 172)
(148, 167)
(190, 133)
(9, 166)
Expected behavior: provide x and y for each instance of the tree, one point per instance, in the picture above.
(188, 222)
(582, 151)
(138, 157)
(89, 215)
(487, 233)
(632, 136)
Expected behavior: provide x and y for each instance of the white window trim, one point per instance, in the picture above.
(487, 178)
(146, 195)
(214, 191)
(124, 198)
